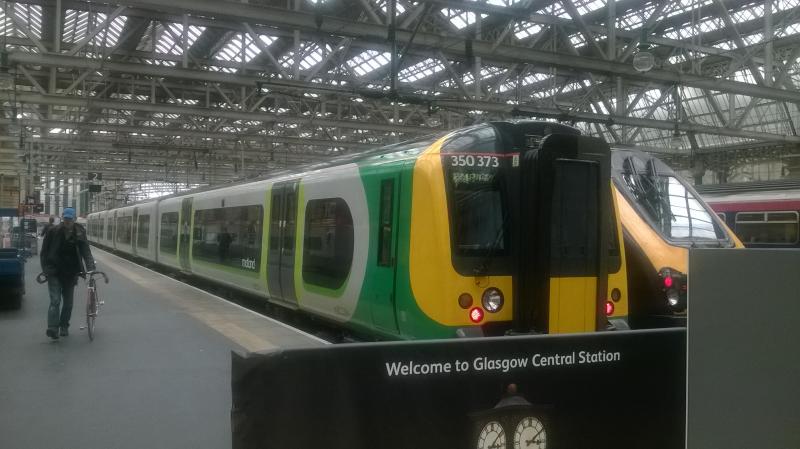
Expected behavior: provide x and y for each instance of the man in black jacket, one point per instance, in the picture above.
(64, 251)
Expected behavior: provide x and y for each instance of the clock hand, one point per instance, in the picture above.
(494, 443)
(533, 439)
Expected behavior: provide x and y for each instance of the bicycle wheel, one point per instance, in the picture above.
(91, 313)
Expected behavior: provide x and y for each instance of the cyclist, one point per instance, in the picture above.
(64, 252)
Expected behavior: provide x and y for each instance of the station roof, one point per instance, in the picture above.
(204, 91)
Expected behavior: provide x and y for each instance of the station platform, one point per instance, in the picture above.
(156, 375)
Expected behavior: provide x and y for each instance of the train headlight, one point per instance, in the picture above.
(673, 299)
(465, 300)
(492, 299)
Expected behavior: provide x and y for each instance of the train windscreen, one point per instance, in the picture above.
(476, 197)
(668, 204)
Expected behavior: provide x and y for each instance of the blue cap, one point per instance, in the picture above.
(69, 213)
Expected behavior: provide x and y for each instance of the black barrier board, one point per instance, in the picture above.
(603, 390)
(743, 359)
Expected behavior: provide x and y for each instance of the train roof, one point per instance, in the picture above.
(748, 187)
(408, 145)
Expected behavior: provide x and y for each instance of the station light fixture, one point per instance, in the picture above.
(676, 141)
(643, 59)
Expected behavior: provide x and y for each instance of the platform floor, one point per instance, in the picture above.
(157, 374)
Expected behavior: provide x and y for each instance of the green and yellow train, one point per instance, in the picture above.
(496, 228)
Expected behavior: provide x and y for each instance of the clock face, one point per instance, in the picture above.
(530, 434)
(492, 436)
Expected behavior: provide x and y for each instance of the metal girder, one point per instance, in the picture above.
(32, 98)
(451, 45)
(580, 116)
(190, 133)
(513, 12)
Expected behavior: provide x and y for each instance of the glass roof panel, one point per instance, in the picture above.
(383, 5)
(577, 40)
(487, 72)
(635, 18)
(527, 81)
(30, 15)
(587, 6)
(747, 14)
(420, 70)
(241, 46)
(681, 6)
(168, 38)
(524, 30)
(554, 9)
(368, 61)
(789, 30)
(110, 35)
(460, 19)
(311, 54)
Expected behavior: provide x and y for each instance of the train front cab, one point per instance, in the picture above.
(462, 263)
(662, 217)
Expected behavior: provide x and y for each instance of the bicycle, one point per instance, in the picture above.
(93, 301)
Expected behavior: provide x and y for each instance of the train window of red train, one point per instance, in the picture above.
(770, 228)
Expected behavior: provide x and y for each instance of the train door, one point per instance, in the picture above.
(564, 236)
(134, 230)
(384, 307)
(282, 233)
(114, 231)
(185, 233)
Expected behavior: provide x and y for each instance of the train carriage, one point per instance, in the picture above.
(415, 240)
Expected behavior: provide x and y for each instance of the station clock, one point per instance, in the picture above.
(514, 423)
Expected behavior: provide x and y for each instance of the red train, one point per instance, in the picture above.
(762, 214)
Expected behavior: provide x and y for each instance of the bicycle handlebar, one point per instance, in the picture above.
(42, 278)
(94, 273)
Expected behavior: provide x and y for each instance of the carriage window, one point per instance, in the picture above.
(143, 232)
(721, 216)
(110, 228)
(328, 245)
(169, 233)
(124, 233)
(768, 228)
(229, 236)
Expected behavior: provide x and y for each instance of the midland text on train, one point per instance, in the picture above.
(504, 365)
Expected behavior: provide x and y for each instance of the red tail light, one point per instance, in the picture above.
(476, 315)
(609, 308)
(667, 281)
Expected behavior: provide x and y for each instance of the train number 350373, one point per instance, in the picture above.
(469, 160)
